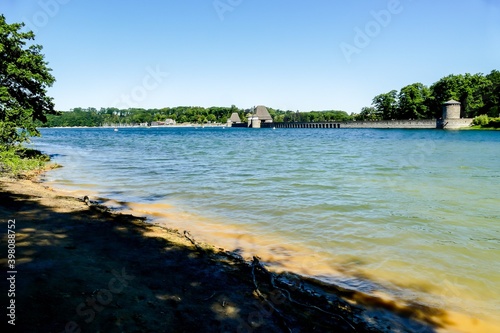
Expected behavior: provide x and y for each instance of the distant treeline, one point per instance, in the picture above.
(478, 94)
(93, 117)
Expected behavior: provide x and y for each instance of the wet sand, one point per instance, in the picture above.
(82, 268)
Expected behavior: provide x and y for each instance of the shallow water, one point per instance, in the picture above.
(410, 213)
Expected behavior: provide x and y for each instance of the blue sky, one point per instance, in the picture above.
(296, 55)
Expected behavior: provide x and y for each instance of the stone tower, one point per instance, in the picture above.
(451, 110)
(451, 117)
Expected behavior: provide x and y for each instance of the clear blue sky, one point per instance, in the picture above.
(298, 55)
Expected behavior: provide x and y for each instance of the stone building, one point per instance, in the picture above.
(234, 119)
(451, 110)
(260, 115)
(451, 116)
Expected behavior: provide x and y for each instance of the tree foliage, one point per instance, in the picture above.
(24, 79)
(477, 93)
(369, 113)
(92, 117)
(413, 102)
(386, 105)
(469, 89)
(492, 95)
(315, 116)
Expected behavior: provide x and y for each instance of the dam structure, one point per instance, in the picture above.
(260, 118)
(424, 124)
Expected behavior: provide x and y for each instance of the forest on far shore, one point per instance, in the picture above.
(92, 117)
(478, 94)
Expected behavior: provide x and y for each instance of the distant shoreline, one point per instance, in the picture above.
(138, 126)
(379, 124)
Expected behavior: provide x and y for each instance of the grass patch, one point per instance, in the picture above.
(482, 128)
(22, 162)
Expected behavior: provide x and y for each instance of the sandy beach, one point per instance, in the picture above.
(81, 268)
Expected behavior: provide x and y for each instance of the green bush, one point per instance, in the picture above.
(494, 122)
(481, 120)
(15, 162)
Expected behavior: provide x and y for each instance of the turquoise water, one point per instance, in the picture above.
(412, 214)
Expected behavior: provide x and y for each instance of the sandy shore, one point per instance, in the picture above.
(81, 268)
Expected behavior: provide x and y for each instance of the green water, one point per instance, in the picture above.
(409, 213)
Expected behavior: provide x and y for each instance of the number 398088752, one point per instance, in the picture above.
(11, 234)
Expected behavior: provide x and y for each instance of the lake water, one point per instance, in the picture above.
(413, 214)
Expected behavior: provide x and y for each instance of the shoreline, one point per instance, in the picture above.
(380, 124)
(57, 232)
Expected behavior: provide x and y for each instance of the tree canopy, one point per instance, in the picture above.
(24, 79)
(478, 94)
(181, 114)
